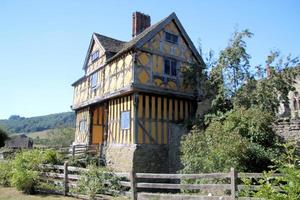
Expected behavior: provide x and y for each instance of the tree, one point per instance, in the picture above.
(3, 137)
(268, 92)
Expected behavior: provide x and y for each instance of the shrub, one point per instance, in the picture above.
(97, 180)
(5, 173)
(212, 150)
(242, 138)
(83, 160)
(288, 165)
(25, 168)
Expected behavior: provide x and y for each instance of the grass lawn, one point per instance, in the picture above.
(9, 193)
(13, 194)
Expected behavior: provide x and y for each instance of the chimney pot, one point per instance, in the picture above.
(140, 22)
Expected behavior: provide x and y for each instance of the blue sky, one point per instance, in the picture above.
(43, 43)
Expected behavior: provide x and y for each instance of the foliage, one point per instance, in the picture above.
(97, 180)
(238, 129)
(288, 165)
(5, 173)
(211, 150)
(269, 92)
(57, 138)
(25, 168)
(17, 124)
(234, 62)
(3, 137)
(83, 160)
(242, 138)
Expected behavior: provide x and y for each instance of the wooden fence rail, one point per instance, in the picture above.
(67, 176)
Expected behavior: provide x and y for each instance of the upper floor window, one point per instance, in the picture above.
(171, 37)
(94, 56)
(170, 67)
(94, 78)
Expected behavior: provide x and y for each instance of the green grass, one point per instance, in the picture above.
(9, 193)
(12, 194)
(40, 134)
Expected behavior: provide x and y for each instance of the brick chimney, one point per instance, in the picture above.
(140, 22)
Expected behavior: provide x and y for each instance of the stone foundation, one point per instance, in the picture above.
(151, 158)
(120, 157)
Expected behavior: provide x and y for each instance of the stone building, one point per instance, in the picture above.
(293, 109)
(19, 142)
(132, 100)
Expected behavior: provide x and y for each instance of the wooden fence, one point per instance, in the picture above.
(80, 149)
(137, 183)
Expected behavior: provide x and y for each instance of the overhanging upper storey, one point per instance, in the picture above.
(151, 62)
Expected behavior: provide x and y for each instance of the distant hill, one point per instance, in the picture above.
(17, 124)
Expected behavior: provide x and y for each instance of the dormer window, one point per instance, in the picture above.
(170, 67)
(94, 56)
(171, 37)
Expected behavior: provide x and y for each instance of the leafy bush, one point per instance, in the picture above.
(212, 150)
(5, 173)
(97, 180)
(83, 160)
(288, 165)
(25, 168)
(242, 139)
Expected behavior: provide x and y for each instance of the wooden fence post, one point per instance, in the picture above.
(133, 185)
(66, 180)
(233, 183)
(73, 151)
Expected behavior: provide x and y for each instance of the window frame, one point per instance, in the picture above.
(129, 119)
(172, 68)
(80, 128)
(94, 80)
(92, 56)
(172, 36)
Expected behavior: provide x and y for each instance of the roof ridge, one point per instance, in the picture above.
(109, 37)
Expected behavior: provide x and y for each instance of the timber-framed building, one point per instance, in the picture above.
(131, 99)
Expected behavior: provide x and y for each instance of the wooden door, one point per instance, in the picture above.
(98, 124)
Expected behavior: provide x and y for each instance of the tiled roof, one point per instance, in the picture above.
(110, 44)
(117, 47)
(131, 44)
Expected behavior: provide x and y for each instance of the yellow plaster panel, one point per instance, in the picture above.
(143, 58)
(158, 82)
(166, 48)
(128, 60)
(127, 78)
(119, 81)
(143, 77)
(172, 85)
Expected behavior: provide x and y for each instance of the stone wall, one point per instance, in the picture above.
(120, 157)
(289, 129)
(154, 158)
(151, 158)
